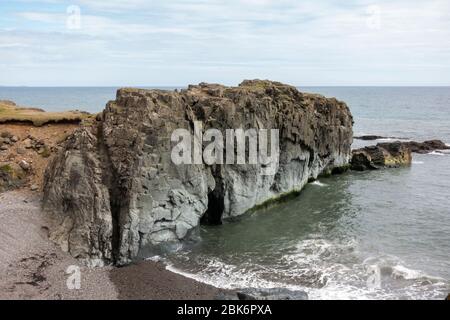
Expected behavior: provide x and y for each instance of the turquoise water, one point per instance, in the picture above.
(383, 235)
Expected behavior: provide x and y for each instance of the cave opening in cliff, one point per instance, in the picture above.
(216, 206)
(213, 215)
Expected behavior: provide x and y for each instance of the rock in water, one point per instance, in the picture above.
(426, 146)
(382, 155)
(114, 190)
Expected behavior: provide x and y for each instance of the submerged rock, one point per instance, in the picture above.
(114, 190)
(370, 137)
(383, 155)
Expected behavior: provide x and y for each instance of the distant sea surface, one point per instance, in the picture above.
(91, 99)
(383, 234)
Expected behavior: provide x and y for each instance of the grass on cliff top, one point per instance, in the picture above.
(10, 113)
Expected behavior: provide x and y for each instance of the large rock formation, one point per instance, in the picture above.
(392, 154)
(113, 190)
(383, 155)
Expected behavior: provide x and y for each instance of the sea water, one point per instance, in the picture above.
(361, 235)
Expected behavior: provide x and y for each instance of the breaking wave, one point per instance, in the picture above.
(437, 153)
(325, 270)
(318, 183)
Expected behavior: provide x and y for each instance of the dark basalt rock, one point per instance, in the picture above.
(392, 154)
(370, 137)
(383, 155)
(426, 146)
(113, 190)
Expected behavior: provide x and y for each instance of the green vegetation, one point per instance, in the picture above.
(6, 169)
(11, 113)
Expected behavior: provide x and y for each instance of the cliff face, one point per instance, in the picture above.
(114, 189)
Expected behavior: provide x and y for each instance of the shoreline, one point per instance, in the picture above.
(34, 268)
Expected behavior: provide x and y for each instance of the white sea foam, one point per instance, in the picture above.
(436, 153)
(154, 258)
(417, 162)
(318, 183)
(325, 270)
(392, 139)
(227, 276)
(400, 271)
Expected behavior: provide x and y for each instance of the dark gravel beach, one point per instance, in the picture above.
(31, 267)
(150, 280)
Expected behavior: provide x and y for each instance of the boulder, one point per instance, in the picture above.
(27, 143)
(21, 151)
(24, 165)
(113, 189)
(383, 155)
(6, 134)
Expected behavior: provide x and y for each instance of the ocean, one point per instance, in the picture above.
(361, 235)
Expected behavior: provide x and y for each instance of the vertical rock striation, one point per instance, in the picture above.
(114, 190)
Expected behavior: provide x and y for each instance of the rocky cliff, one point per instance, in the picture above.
(113, 190)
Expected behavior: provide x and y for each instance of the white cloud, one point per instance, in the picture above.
(296, 41)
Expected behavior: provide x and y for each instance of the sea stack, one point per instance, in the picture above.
(113, 189)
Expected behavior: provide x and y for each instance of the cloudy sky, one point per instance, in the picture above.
(177, 42)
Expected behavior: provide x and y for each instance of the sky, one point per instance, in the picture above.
(179, 42)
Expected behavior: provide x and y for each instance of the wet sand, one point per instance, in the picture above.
(32, 267)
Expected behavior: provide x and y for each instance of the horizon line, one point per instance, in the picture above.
(185, 86)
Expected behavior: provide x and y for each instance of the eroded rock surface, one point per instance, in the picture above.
(113, 189)
(392, 154)
(383, 155)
